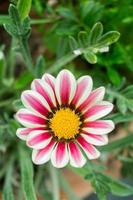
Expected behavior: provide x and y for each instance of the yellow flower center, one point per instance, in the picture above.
(65, 123)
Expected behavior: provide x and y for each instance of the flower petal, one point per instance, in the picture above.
(35, 102)
(98, 111)
(22, 133)
(59, 156)
(84, 87)
(97, 140)
(76, 157)
(29, 119)
(49, 79)
(65, 87)
(41, 156)
(38, 139)
(90, 150)
(94, 97)
(99, 127)
(45, 90)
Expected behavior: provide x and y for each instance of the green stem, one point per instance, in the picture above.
(61, 62)
(67, 59)
(55, 182)
(44, 21)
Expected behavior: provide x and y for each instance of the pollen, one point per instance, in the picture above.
(65, 124)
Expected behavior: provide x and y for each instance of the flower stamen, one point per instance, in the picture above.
(65, 124)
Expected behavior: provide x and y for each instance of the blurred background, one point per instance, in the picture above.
(52, 23)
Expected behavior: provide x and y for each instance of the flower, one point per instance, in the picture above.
(62, 119)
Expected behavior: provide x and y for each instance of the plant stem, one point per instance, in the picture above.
(55, 182)
(44, 21)
(61, 62)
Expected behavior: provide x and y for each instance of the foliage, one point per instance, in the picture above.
(85, 46)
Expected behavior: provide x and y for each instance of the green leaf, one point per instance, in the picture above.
(2, 65)
(7, 191)
(95, 33)
(17, 104)
(116, 187)
(23, 80)
(73, 43)
(66, 13)
(14, 15)
(14, 27)
(128, 91)
(103, 183)
(26, 175)
(11, 29)
(83, 38)
(118, 144)
(90, 57)
(113, 76)
(122, 105)
(26, 26)
(4, 19)
(119, 118)
(24, 7)
(120, 189)
(123, 102)
(40, 66)
(108, 38)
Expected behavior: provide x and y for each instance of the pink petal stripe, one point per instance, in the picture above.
(97, 140)
(42, 156)
(76, 157)
(99, 127)
(59, 156)
(49, 79)
(94, 97)
(84, 87)
(45, 90)
(90, 150)
(28, 119)
(98, 111)
(35, 102)
(22, 133)
(38, 139)
(65, 87)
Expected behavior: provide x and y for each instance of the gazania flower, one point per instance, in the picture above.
(62, 119)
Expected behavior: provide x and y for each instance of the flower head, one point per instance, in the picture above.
(61, 117)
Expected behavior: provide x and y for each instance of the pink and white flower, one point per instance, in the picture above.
(62, 119)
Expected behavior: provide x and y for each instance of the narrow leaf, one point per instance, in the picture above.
(108, 38)
(122, 105)
(7, 191)
(119, 118)
(83, 39)
(24, 7)
(26, 175)
(118, 144)
(90, 57)
(40, 66)
(120, 189)
(73, 43)
(95, 32)
(4, 19)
